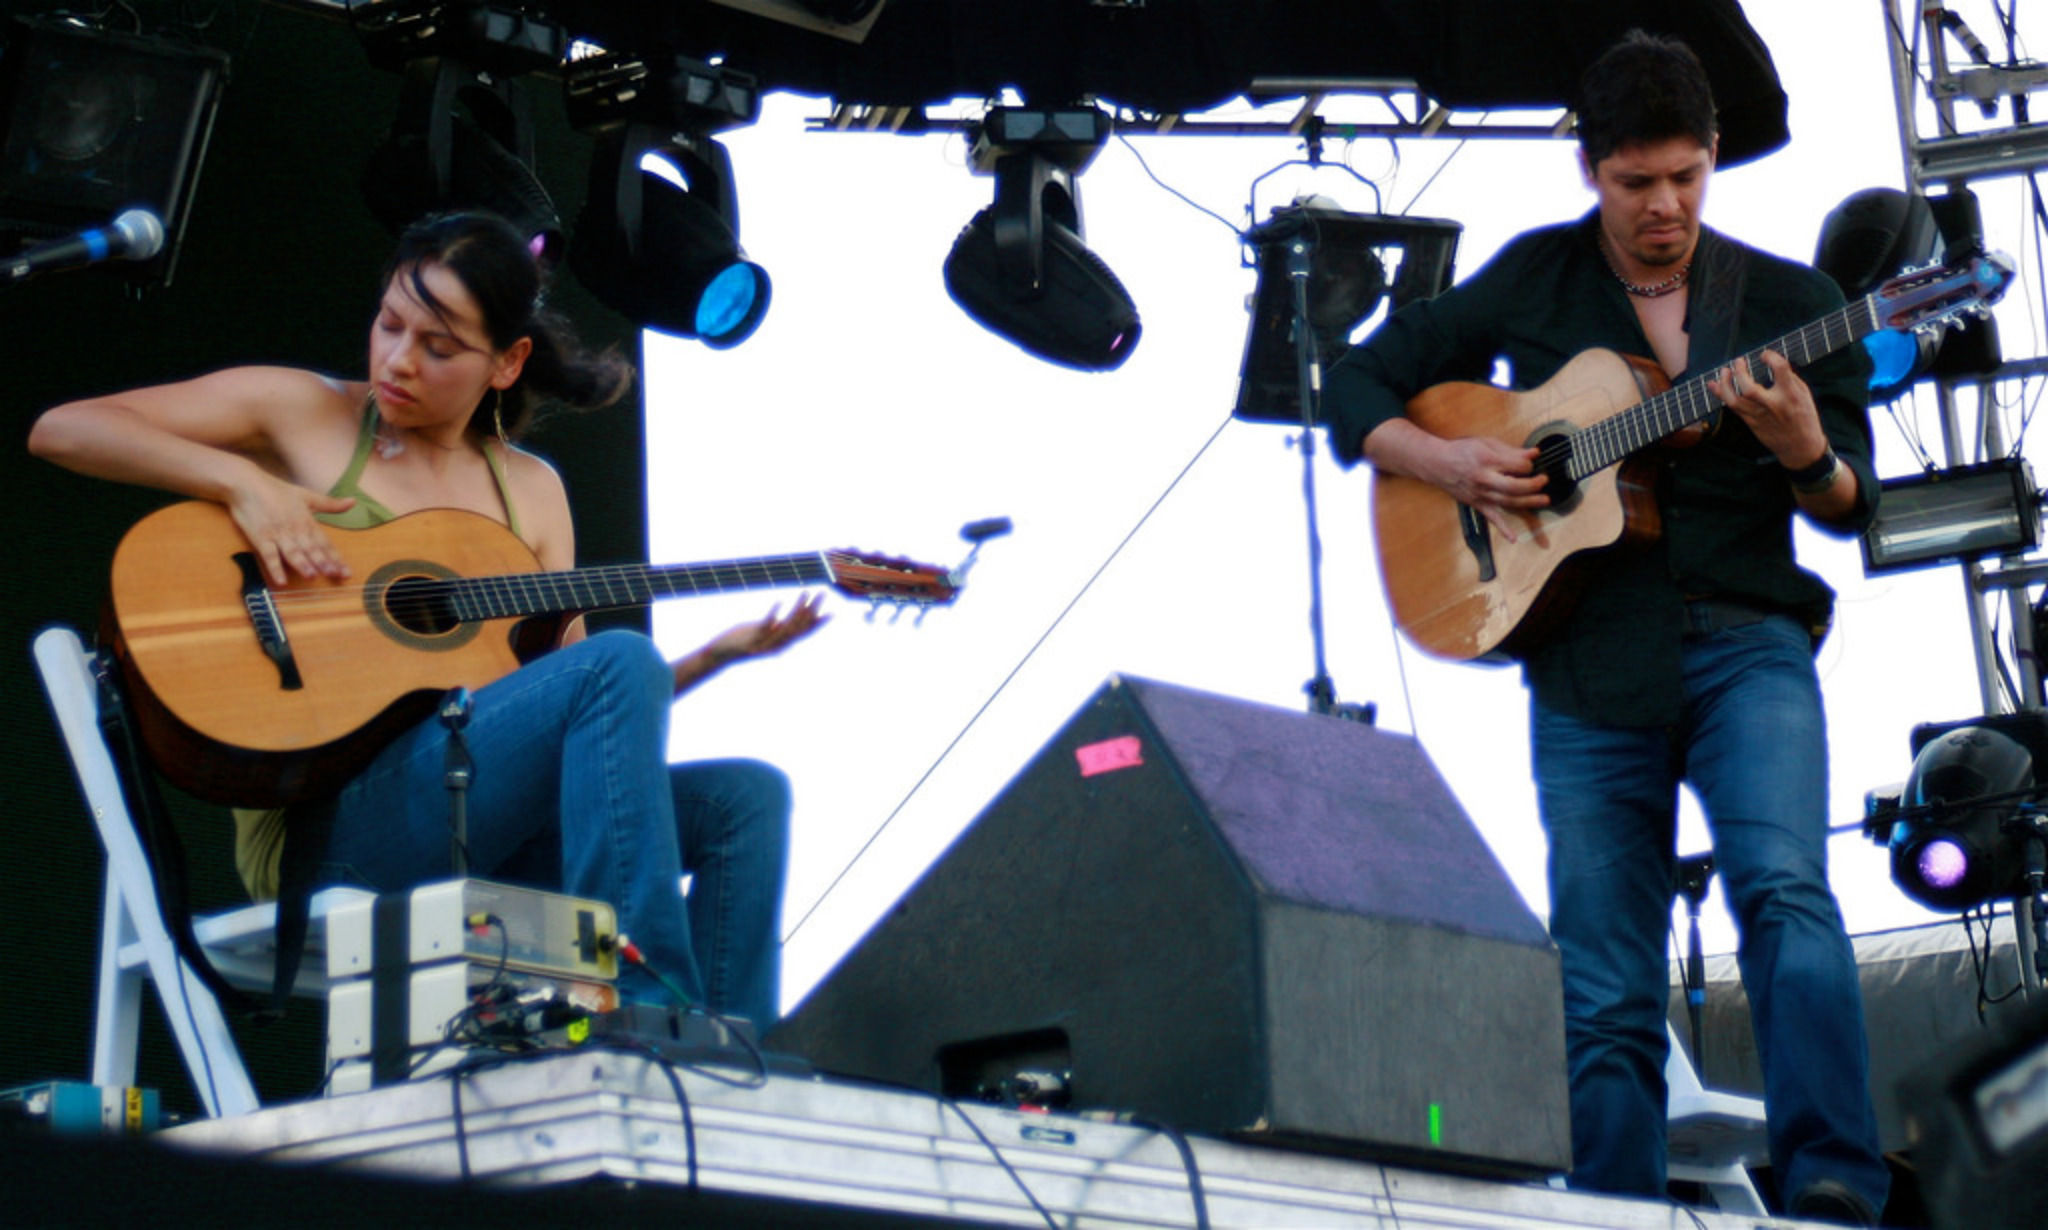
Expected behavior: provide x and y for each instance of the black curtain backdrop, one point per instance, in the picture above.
(279, 266)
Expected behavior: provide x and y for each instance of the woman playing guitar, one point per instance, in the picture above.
(571, 788)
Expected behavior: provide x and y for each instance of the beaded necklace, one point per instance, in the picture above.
(1656, 290)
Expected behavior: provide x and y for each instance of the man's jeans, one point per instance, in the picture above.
(1753, 745)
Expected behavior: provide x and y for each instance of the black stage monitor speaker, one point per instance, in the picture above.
(1230, 918)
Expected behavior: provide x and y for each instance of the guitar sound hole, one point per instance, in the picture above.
(1553, 461)
(420, 605)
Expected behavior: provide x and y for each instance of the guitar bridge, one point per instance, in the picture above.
(261, 605)
(1477, 540)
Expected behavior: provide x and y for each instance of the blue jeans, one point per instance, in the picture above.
(572, 793)
(1753, 745)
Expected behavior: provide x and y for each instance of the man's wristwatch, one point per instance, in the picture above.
(1818, 477)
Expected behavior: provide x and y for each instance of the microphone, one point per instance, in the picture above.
(455, 708)
(136, 235)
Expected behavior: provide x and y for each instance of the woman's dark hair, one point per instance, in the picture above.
(1644, 88)
(494, 263)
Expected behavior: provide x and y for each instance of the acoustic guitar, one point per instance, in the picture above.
(1460, 590)
(261, 695)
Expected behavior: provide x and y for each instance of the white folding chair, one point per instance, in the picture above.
(135, 943)
(1712, 1136)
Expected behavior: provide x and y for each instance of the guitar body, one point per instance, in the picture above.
(216, 712)
(1457, 587)
(262, 696)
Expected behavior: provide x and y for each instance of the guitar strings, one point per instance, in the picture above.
(1600, 445)
(423, 593)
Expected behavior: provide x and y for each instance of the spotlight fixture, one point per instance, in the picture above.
(463, 139)
(1343, 258)
(666, 254)
(1959, 838)
(1954, 515)
(668, 258)
(95, 123)
(1019, 268)
(1876, 233)
(463, 135)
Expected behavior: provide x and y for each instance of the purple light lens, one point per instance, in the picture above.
(1943, 864)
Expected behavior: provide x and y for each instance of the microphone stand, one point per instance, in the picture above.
(1694, 874)
(1322, 691)
(459, 770)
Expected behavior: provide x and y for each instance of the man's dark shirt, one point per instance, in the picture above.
(1727, 505)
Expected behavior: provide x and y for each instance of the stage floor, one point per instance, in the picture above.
(794, 1149)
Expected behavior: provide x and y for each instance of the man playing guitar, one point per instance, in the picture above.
(1687, 660)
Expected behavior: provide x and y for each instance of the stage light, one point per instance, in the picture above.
(1954, 515)
(665, 252)
(463, 135)
(1960, 842)
(665, 257)
(1020, 267)
(95, 123)
(1344, 258)
(1870, 237)
(1879, 232)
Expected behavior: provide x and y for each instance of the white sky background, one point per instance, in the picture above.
(870, 412)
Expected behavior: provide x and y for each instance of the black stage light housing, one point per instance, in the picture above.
(1877, 233)
(1958, 846)
(1873, 235)
(668, 258)
(665, 256)
(1020, 268)
(462, 139)
(95, 123)
(1078, 315)
(1346, 257)
(1953, 516)
(463, 136)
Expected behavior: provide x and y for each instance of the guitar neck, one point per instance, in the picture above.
(1676, 408)
(625, 585)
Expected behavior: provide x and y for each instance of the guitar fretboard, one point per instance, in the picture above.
(1605, 443)
(623, 585)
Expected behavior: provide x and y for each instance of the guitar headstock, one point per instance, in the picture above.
(885, 579)
(1921, 297)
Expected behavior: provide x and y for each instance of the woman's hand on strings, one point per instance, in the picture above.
(277, 519)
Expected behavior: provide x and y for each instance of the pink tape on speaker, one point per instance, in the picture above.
(1123, 752)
